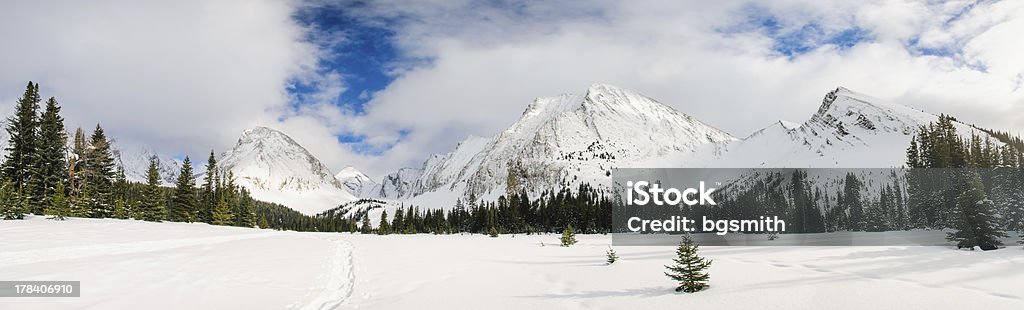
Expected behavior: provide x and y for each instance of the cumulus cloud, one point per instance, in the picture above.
(180, 77)
(488, 61)
(184, 76)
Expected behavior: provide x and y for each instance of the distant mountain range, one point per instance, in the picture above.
(563, 141)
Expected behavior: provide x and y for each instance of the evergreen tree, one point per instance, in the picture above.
(807, 217)
(99, 174)
(122, 210)
(263, 224)
(58, 204)
(183, 205)
(22, 128)
(610, 256)
(690, 270)
(365, 228)
(222, 212)
(152, 197)
(10, 203)
(208, 196)
(976, 221)
(51, 152)
(568, 236)
(852, 202)
(245, 212)
(384, 228)
(874, 217)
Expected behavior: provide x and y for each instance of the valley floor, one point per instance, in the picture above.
(135, 265)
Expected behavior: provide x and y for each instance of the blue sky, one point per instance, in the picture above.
(420, 76)
(361, 46)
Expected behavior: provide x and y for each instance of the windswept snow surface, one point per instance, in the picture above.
(127, 264)
(478, 272)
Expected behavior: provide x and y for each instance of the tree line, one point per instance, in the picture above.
(41, 174)
(584, 210)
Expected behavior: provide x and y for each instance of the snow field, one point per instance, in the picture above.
(125, 264)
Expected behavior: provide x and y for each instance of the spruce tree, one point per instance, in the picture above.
(610, 256)
(183, 205)
(852, 202)
(384, 228)
(263, 222)
(99, 174)
(58, 204)
(122, 209)
(975, 218)
(152, 197)
(10, 203)
(245, 212)
(568, 236)
(365, 227)
(222, 212)
(22, 128)
(690, 270)
(50, 158)
(208, 195)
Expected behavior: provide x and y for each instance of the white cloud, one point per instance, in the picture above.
(184, 76)
(178, 76)
(488, 64)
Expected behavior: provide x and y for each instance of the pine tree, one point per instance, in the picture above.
(690, 270)
(183, 205)
(122, 210)
(610, 256)
(365, 228)
(976, 221)
(263, 222)
(58, 204)
(152, 197)
(10, 203)
(568, 236)
(222, 212)
(384, 228)
(852, 202)
(51, 152)
(245, 212)
(22, 128)
(99, 174)
(209, 190)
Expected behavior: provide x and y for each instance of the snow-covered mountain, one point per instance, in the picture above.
(849, 130)
(355, 181)
(277, 169)
(565, 140)
(136, 165)
(558, 141)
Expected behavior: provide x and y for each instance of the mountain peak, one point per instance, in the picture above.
(276, 168)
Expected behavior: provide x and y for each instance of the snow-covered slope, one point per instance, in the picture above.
(849, 130)
(559, 141)
(355, 181)
(136, 165)
(277, 169)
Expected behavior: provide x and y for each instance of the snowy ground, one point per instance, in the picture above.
(126, 264)
(137, 265)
